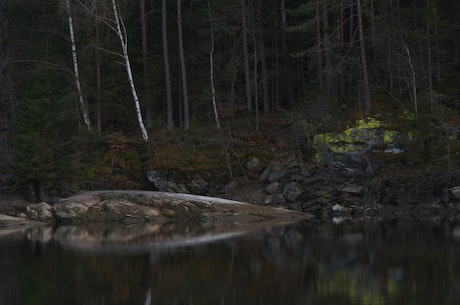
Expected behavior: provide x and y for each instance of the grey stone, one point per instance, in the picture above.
(277, 175)
(252, 163)
(198, 186)
(292, 191)
(275, 199)
(454, 192)
(163, 185)
(272, 187)
(272, 167)
(352, 188)
(40, 212)
(297, 177)
(70, 212)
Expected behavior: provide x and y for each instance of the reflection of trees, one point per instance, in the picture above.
(393, 262)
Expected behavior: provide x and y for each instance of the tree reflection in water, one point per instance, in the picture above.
(396, 261)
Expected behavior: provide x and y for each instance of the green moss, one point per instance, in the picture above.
(368, 123)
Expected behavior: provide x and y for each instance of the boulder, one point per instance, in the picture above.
(70, 212)
(454, 192)
(198, 186)
(292, 191)
(272, 188)
(273, 170)
(163, 185)
(352, 188)
(252, 164)
(131, 207)
(40, 212)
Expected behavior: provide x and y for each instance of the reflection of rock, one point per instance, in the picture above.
(100, 237)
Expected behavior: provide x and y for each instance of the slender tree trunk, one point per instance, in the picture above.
(389, 44)
(256, 81)
(124, 45)
(211, 69)
(283, 24)
(83, 107)
(246, 55)
(145, 65)
(183, 67)
(372, 8)
(430, 62)
(319, 49)
(169, 103)
(436, 33)
(367, 95)
(413, 79)
(98, 78)
(342, 32)
(327, 48)
(264, 72)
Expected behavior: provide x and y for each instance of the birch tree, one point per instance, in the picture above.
(83, 108)
(121, 32)
(211, 69)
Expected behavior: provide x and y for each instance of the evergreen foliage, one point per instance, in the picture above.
(44, 122)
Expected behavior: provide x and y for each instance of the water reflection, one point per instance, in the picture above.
(353, 262)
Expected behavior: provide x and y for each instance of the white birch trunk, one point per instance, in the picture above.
(211, 71)
(84, 110)
(124, 45)
(413, 80)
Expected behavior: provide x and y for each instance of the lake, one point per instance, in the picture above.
(394, 261)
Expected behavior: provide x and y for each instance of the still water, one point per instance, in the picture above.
(397, 261)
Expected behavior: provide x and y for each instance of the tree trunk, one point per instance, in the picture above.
(211, 69)
(83, 107)
(436, 33)
(367, 95)
(246, 55)
(256, 81)
(341, 25)
(264, 72)
(183, 68)
(98, 78)
(319, 49)
(145, 65)
(124, 45)
(327, 49)
(169, 104)
(413, 80)
(430, 62)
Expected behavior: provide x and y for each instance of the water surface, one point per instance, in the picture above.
(398, 261)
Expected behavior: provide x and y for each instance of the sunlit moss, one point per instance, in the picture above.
(368, 133)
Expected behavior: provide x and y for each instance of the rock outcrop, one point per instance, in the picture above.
(155, 207)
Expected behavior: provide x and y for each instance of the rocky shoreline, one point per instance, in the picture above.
(281, 185)
(137, 207)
